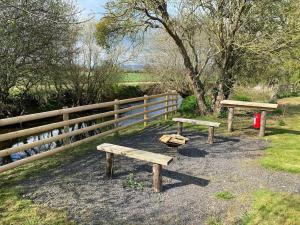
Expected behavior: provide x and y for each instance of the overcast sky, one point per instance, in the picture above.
(92, 7)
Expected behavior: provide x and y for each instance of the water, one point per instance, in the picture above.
(55, 132)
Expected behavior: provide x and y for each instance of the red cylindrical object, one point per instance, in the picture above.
(256, 120)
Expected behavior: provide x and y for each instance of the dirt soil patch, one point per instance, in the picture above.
(190, 183)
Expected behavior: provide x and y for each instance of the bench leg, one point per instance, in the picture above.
(157, 179)
(262, 123)
(109, 164)
(230, 119)
(179, 128)
(210, 139)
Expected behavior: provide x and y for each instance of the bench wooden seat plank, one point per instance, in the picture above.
(211, 126)
(197, 122)
(136, 154)
(158, 160)
(252, 105)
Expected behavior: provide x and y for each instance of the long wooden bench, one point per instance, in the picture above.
(158, 160)
(211, 126)
(263, 107)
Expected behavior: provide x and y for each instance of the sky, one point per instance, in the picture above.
(95, 8)
(91, 7)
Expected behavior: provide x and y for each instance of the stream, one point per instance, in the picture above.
(46, 147)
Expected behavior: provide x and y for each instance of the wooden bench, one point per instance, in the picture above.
(211, 126)
(263, 107)
(158, 160)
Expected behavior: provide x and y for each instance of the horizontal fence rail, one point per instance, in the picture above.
(170, 101)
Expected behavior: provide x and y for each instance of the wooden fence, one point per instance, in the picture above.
(170, 105)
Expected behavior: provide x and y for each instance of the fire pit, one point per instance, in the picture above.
(173, 140)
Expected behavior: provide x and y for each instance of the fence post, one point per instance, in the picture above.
(167, 106)
(66, 127)
(116, 107)
(145, 110)
(174, 97)
(176, 101)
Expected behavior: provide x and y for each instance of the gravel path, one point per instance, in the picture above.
(190, 182)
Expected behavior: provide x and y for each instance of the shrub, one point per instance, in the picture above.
(189, 105)
(223, 114)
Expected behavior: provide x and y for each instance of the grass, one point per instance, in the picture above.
(214, 221)
(284, 152)
(16, 210)
(138, 78)
(258, 94)
(273, 208)
(225, 195)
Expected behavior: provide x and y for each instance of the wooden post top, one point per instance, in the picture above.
(136, 154)
(251, 105)
(197, 122)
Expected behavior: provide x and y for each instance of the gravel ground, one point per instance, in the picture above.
(190, 182)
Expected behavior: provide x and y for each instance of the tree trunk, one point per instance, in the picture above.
(224, 91)
(198, 90)
(225, 83)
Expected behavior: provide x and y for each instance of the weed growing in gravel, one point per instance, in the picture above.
(212, 220)
(132, 183)
(225, 195)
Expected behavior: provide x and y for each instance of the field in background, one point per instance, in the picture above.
(138, 78)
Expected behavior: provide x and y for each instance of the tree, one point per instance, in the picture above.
(249, 36)
(215, 34)
(91, 73)
(128, 18)
(34, 39)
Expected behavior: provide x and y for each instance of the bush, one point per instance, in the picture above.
(223, 114)
(189, 105)
(286, 91)
(123, 92)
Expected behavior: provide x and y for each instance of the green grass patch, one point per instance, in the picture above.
(225, 195)
(16, 210)
(284, 151)
(259, 94)
(273, 208)
(138, 77)
(212, 220)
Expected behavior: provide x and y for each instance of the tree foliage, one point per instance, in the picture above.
(212, 35)
(34, 42)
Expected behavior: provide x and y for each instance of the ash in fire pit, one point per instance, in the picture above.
(173, 140)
